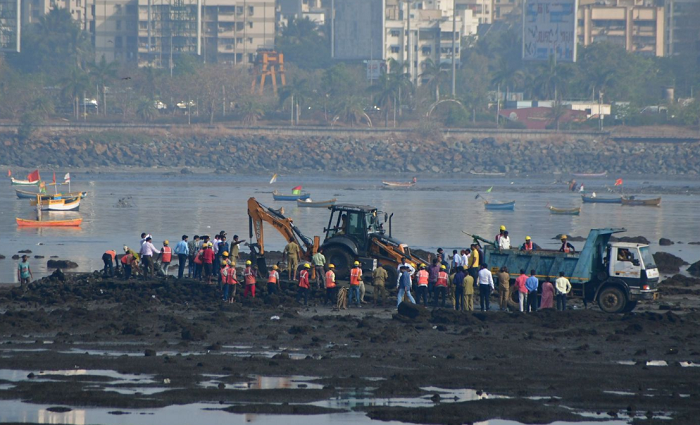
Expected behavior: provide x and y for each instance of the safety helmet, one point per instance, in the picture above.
(503, 227)
(443, 267)
(166, 242)
(422, 266)
(357, 263)
(331, 266)
(126, 248)
(247, 263)
(307, 265)
(275, 267)
(225, 254)
(527, 238)
(563, 236)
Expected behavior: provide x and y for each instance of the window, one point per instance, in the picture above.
(250, 25)
(251, 10)
(395, 49)
(119, 25)
(118, 42)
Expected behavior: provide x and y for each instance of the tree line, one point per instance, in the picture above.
(57, 75)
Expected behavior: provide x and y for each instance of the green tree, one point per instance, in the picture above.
(146, 110)
(251, 110)
(304, 45)
(299, 94)
(508, 75)
(434, 75)
(351, 109)
(103, 73)
(73, 86)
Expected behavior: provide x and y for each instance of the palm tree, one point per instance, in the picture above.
(508, 75)
(103, 72)
(435, 75)
(74, 85)
(299, 92)
(146, 109)
(550, 79)
(351, 110)
(390, 88)
(252, 111)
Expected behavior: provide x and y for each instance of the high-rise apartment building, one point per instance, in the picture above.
(113, 26)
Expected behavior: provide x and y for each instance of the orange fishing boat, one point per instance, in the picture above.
(21, 222)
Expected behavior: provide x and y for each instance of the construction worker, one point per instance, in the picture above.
(566, 247)
(319, 261)
(441, 285)
(128, 261)
(422, 289)
(166, 256)
(249, 279)
(273, 280)
(198, 261)
(331, 288)
(223, 261)
(504, 241)
(503, 288)
(234, 252)
(529, 245)
(108, 258)
(500, 235)
(304, 284)
(355, 279)
(293, 254)
(379, 277)
(474, 261)
(228, 275)
(208, 261)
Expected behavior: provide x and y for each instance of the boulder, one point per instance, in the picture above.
(668, 263)
(61, 264)
(694, 269)
(665, 242)
(413, 311)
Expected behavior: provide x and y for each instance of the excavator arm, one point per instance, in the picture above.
(259, 213)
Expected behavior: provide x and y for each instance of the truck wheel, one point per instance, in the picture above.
(630, 306)
(612, 300)
(393, 277)
(341, 259)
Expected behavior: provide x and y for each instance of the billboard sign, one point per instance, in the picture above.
(375, 68)
(549, 28)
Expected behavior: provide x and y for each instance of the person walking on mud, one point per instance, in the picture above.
(148, 252)
(485, 287)
(292, 253)
(273, 280)
(355, 279)
(331, 288)
(24, 273)
(249, 275)
(404, 285)
(563, 288)
(379, 277)
(319, 261)
(304, 285)
(503, 288)
(182, 251)
(531, 284)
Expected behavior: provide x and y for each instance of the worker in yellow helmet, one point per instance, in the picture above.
(355, 279)
(529, 245)
(500, 234)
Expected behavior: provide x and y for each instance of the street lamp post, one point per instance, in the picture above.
(600, 111)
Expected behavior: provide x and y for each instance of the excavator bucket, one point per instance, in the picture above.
(262, 266)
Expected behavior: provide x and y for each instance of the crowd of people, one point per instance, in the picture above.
(438, 284)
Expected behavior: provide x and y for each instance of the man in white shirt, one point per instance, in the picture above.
(404, 263)
(485, 287)
(148, 252)
(563, 287)
(465, 257)
(504, 241)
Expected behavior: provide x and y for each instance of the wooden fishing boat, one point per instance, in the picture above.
(316, 204)
(565, 211)
(16, 182)
(401, 184)
(23, 194)
(632, 201)
(279, 197)
(506, 206)
(487, 174)
(60, 205)
(599, 200)
(21, 222)
(603, 174)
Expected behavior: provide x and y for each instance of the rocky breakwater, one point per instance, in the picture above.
(249, 152)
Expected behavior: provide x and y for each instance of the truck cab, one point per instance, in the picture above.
(630, 268)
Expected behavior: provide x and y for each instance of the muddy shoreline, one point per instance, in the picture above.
(175, 338)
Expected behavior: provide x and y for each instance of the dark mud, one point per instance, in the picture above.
(177, 337)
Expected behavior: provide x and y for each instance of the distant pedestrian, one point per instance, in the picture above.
(566, 247)
(529, 245)
(433, 272)
(108, 258)
(208, 262)
(319, 261)
(273, 280)
(500, 234)
(404, 285)
(192, 249)
(24, 273)
(460, 299)
(422, 278)
(468, 292)
(199, 261)
(166, 256)
(230, 282)
(234, 250)
(182, 251)
(547, 300)
(293, 254)
(303, 291)
(355, 279)
(504, 241)
(485, 287)
(563, 288)
(331, 288)
(128, 261)
(456, 260)
(148, 252)
(249, 278)
(532, 284)
(379, 277)
(474, 261)
(503, 288)
(522, 289)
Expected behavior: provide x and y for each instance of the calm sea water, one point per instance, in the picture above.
(430, 215)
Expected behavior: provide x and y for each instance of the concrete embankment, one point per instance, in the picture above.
(251, 151)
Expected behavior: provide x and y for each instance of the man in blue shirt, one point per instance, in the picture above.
(404, 285)
(531, 284)
(183, 251)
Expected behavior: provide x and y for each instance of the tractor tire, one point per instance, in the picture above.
(612, 300)
(341, 258)
(392, 279)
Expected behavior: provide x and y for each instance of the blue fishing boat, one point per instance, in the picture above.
(599, 200)
(294, 197)
(504, 206)
(23, 194)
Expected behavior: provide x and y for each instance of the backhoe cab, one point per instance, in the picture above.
(357, 233)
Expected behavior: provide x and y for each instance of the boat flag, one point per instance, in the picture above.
(54, 177)
(618, 182)
(66, 178)
(33, 176)
(296, 190)
(489, 191)
(9, 173)
(273, 179)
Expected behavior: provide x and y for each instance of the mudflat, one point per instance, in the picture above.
(92, 341)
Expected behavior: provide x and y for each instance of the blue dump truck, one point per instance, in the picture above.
(615, 274)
